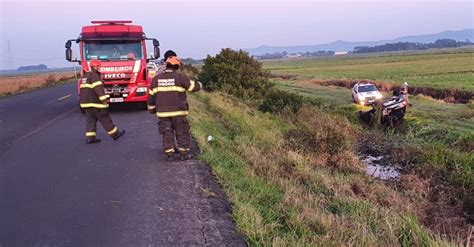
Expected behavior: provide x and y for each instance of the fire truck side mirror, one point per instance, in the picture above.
(156, 52)
(68, 44)
(156, 48)
(69, 54)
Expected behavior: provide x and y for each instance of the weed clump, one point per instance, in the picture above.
(278, 101)
(329, 140)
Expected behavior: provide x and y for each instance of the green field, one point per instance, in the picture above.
(439, 69)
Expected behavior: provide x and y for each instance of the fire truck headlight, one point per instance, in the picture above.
(141, 89)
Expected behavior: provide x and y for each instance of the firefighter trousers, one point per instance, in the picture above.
(171, 127)
(102, 115)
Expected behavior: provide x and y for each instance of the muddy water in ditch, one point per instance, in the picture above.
(378, 167)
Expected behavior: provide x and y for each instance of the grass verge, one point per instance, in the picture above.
(296, 180)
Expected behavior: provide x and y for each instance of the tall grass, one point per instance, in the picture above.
(436, 141)
(288, 194)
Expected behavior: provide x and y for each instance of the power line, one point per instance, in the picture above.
(33, 59)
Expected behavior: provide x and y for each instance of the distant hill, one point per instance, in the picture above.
(38, 67)
(28, 72)
(340, 45)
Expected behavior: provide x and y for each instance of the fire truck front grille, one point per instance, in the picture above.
(116, 89)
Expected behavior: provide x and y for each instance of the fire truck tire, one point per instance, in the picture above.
(143, 106)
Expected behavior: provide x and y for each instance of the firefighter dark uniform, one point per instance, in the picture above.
(167, 97)
(93, 101)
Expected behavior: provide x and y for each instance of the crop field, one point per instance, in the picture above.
(22, 83)
(447, 69)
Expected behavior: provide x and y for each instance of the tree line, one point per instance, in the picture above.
(406, 46)
(285, 54)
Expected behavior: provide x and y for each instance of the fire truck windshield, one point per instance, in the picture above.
(113, 50)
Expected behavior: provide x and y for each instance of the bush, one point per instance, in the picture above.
(328, 139)
(191, 71)
(278, 101)
(236, 73)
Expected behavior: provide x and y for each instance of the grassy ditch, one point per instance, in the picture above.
(295, 179)
(436, 143)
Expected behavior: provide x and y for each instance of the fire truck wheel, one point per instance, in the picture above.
(143, 106)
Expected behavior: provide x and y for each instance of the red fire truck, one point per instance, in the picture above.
(121, 48)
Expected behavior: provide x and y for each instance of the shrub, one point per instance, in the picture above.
(329, 139)
(278, 101)
(191, 71)
(236, 73)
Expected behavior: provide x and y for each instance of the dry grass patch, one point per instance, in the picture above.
(22, 83)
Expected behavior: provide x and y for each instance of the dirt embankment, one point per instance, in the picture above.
(448, 95)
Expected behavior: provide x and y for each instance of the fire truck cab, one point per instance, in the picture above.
(121, 48)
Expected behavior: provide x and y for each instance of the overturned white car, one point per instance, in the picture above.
(365, 93)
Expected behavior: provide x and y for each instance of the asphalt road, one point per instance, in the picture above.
(57, 191)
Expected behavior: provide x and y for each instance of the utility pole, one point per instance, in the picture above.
(10, 62)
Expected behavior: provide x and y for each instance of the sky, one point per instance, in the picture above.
(34, 32)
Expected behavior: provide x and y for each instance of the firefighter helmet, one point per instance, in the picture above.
(95, 63)
(170, 53)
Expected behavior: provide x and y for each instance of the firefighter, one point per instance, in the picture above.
(404, 92)
(167, 98)
(93, 101)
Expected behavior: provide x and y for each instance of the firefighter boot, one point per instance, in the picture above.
(92, 141)
(169, 157)
(185, 156)
(119, 134)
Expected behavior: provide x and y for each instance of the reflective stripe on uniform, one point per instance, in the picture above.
(170, 150)
(172, 113)
(112, 131)
(183, 149)
(90, 133)
(151, 107)
(97, 83)
(104, 97)
(191, 86)
(168, 89)
(92, 85)
(94, 105)
(150, 92)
